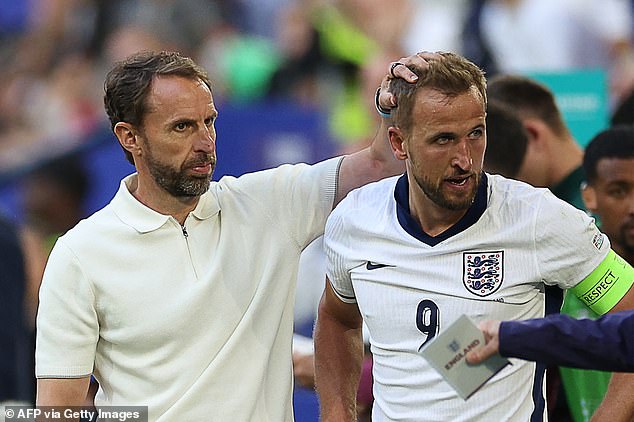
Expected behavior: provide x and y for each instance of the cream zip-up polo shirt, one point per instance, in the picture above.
(193, 321)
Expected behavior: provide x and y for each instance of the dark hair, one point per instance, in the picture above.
(528, 98)
(506, 141)
(128, 84)
(450, 74)
(615, 142)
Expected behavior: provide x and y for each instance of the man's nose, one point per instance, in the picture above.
(462, 156)
(206, 140)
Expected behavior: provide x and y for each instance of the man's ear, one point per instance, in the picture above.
(397, 141)
(538, 134)
(532, 131)
(127, 137)
(589, 196)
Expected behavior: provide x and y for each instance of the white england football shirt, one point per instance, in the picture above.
(493, 263)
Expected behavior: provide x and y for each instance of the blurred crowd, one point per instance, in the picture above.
(329, 54)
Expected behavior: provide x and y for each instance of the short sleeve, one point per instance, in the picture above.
(67, 324)
(568, 243)
(336, 246)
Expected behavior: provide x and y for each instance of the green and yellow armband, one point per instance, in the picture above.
(606, 285)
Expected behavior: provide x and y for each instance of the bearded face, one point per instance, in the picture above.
(436, 192)
(182, 181)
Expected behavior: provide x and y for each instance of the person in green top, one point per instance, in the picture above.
(608, 193)
(552, 158)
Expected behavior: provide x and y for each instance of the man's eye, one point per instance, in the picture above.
(617, 192)
(443, 140)
(180, 126)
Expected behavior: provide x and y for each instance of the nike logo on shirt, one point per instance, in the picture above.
(373, 266)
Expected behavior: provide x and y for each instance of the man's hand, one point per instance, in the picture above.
(491, 331)
(400, 69)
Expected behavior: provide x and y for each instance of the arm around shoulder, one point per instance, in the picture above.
(373, 163)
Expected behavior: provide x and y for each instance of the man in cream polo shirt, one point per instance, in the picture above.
(149, 301)
(178, 294)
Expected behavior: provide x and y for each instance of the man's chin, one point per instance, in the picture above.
(195, 187)
(458, 204)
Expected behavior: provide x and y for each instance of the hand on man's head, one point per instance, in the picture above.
(400, 69)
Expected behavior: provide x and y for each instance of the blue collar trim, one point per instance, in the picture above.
(411, 226)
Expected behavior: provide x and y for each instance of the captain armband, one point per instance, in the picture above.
(606, 285)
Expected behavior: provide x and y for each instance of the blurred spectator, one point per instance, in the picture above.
(303, 65)
(553, 157)
(55, 50)
(506, 141)
(59, 109)
(609, 193)
(546, 35)
(47, 94)
(181, 23)
(382, 22)
(16, 377)
(53, 196)
(325, 47)
(473, 43)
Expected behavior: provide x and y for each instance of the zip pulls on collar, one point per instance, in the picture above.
(189, 252)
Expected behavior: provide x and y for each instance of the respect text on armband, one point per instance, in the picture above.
(600, 288)
(604, 287)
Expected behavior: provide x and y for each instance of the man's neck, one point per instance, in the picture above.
(566, 157)
(434, 220)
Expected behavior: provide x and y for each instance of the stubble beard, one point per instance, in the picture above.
(434, 192)
(177, 182)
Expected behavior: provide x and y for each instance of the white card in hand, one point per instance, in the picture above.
(446, 354)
